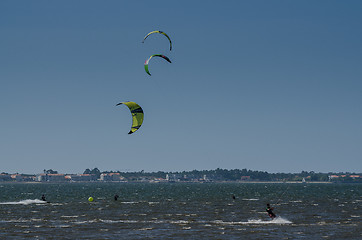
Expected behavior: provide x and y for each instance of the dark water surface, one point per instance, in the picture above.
(180, 211)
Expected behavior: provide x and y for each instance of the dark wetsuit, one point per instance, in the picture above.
(269, 210)
(43, 198)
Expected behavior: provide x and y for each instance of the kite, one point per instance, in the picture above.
(137, 115)
(155, 55)
(169, 39)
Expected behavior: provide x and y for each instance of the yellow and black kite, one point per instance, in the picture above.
(137, 115)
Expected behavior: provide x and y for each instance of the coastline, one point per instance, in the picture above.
(173, 182)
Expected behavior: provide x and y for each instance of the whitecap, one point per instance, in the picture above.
(118, 221)
(182, 222)
(36, 219)
(145, 229)
(84, 222)
(64, 226)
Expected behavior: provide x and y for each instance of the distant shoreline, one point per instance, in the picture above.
(294, 182)
(239, 182)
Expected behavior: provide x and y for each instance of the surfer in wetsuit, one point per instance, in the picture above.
(43, 198)
(116, 197)
(269, 210)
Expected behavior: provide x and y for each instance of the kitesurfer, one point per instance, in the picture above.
(269, 210)
(43, 198)
(116, 197)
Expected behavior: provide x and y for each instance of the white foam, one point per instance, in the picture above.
(24, 202)
(251, 199)
(179, 222)
(118, 221)
(145, 229)
(277, 220)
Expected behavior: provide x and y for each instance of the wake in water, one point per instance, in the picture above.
(277, 220)
(24, 202)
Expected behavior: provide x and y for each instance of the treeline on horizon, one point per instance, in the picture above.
(235, 175)
(230, 175)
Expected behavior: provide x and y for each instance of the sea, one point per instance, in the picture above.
(180, 211)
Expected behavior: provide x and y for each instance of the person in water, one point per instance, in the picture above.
(269, 210)
(116, 197)
(43, 198)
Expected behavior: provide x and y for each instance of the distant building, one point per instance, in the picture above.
(173, 177)
(157, 180)
(28, 177)
(245, 178)
(333, 176)
(5, 177)
(17, 177)
(44, 177)
(68, 177)
(113, 177)
(83, 177)
(343, 176)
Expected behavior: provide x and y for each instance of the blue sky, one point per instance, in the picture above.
(264, 85)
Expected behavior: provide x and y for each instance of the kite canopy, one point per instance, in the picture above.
(137, 115)
(155, 55)
(163, 33)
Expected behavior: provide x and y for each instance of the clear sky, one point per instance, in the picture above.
(265, 85)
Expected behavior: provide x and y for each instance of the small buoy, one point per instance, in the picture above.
(90, 199)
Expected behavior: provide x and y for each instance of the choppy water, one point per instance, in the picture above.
(180, 211)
